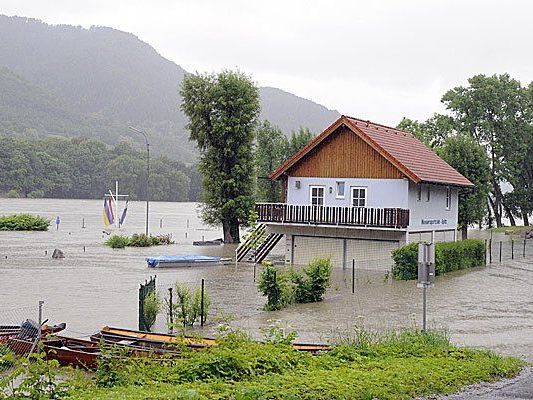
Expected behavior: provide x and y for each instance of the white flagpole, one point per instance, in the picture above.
(117, 218)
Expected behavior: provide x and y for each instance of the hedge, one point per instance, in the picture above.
(449, 256)
(23, 222)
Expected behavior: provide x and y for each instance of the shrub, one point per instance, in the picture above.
(117, 241)
(284, 288)
(36, 194)
(140, 240)
(151, 308)
(13, 194)
(311, 286)
(449, 256)
(275, 286)
(188, 305)
(24, 222)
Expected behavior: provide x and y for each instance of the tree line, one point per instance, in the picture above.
(85, 167)
(487, 135)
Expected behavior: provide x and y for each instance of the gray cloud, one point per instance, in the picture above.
(379, 60)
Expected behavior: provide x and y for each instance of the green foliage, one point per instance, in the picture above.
(141, 240)
(84, 167)
(271, 148)
(283, 288)
(449, 256)
(137, 240)
(118, 241)
(470, 159)
(222, 110)
(23, 222)
(151, 309)
(311, 286)
(187, 307)
(13, 194)
(396, 365)
(297, 140)
(275, 285)
(112, 368)
(34, 378)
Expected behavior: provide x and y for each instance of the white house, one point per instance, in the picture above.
(359, 190)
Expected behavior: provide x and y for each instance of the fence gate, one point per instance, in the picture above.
(144, 291)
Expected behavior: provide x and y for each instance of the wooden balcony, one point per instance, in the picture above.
(395, 218)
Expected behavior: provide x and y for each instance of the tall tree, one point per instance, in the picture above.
(493, 110)
(433, 132)
(222, 110)
(470, 159)
(298, 139)
(271, 148)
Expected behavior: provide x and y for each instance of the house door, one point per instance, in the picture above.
(317, 195)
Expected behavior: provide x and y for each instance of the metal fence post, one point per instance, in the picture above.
(353, 276)
(500, 251)
(202, 305)
(170, 311)
(524, 249)
(490, 251)
(512, 249)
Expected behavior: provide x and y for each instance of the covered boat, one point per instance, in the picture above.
(186, 261)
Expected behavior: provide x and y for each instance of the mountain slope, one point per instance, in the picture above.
(112, 79)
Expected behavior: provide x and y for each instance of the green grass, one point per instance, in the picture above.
(397, 366)
(23, 222)
(514, 229)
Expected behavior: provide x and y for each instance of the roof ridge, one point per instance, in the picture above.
(377, 124)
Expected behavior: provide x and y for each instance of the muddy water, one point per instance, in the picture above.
(490, 307)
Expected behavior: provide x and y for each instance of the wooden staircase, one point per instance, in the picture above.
(257, 245)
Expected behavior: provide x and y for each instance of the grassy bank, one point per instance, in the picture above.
(23, 222)
(514, 229)
(398, 366)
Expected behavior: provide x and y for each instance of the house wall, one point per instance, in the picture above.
(370, 248)
(432, 215)
(381, 193)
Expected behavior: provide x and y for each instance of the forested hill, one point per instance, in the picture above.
(97, 81)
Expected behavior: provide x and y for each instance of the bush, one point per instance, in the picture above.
(449, 256)
(275, 286)
(141, 240)
(284, 288)
(151, 308)
(13, 194)
(24, 222)
(36, 194)
(188, 305)
(311, 286)
(118, 241)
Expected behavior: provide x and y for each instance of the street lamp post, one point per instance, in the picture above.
(147, 172)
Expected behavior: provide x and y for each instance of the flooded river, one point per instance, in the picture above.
(95, 285)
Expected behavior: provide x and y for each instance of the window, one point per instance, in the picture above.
(419, 192)
(448, 197)
(317, 195)
(340, 190)
(428, 193)
(358, 197)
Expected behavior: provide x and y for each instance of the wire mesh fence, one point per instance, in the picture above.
(20, 332)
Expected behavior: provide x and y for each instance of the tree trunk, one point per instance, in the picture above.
(525, 218)
(464, 232)
(226, 228)
(495, 210)
(509, 214)
(234, 229)
(490, 221)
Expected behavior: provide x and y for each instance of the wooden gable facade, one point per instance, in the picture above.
(343, 154)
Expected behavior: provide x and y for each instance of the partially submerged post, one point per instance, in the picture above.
(426, 275)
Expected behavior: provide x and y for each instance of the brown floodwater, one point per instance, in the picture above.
(94, 285)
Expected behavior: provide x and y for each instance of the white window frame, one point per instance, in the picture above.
(448, 198)
(337, 195)
(352, 188)
(311, 187)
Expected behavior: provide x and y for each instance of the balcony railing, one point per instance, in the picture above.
(397, 218)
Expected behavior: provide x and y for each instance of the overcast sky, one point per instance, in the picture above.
(378, 60)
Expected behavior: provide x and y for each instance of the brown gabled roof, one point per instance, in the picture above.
(412, 157)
